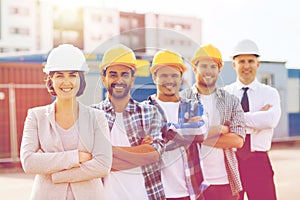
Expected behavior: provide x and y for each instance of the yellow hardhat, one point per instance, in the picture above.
(167, 58)
(118, 55)
(208, 52)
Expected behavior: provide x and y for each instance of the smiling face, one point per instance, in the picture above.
(168, 81)
(246, 67)
(206, 74)
(65, 84)
(118, 80)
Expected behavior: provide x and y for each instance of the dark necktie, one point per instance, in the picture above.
(245, 101)
(244, 152)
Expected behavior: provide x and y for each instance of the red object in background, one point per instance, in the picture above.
(22, 86)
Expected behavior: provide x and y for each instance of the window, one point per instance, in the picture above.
(19, 31)
(4, 50)
(96, 36)
(267, 78)
(177, 26)
(19, 11)
(134, 23)
(96, 18)
(21, 49)
(68, 26)
(109, 19)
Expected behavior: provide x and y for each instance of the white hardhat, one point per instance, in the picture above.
(66, 57)
(245, 46)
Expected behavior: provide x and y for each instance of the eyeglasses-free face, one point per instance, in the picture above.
(65, 84)
(246, 67)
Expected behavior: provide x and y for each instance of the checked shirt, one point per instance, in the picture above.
(141, 120)
(232, 115)
(190, 155)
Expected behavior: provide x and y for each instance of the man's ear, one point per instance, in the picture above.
(132, 81)
(233, 64)
(194, 70)
(154, 78)
(103, 78)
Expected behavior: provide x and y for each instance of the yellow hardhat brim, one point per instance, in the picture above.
(180, 67)
(105, 66)
(216, 60)
(208, 52)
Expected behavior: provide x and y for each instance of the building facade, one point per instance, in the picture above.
(40, 25)
(17, 26)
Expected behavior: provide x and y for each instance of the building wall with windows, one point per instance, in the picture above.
(34, 25)
(293, 90)
(99, 25)
(293, 97)
(18, 30)
(44, 27)
(180, 33)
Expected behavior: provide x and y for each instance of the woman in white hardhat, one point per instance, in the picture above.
(66, 143)
(66, 57)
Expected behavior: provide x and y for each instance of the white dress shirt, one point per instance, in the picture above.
(260, 124)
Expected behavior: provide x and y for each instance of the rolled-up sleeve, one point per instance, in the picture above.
(155, 131)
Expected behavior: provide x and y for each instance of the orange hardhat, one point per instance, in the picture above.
(208, 52)
(118, 55)
(167, 58)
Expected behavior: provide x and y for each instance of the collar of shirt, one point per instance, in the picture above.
(252, 86)
(131, 106)
(218, 91)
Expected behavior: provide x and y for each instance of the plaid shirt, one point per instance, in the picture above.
(190, 155)
(141, 120)
(232, 115)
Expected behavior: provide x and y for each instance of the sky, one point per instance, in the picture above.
(273, 24)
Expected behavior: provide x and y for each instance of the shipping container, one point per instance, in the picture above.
(22, 86)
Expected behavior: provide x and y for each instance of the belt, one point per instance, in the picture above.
(253, 155)
(179, 198)
(258, 154)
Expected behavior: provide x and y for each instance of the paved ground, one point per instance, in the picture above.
(286, 163)
(15, 185)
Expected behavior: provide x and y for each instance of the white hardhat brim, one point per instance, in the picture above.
(245, 53)
(48, 69)
(244, 47)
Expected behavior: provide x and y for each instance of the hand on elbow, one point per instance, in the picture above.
(239, 142)
(152, 157)
(84, 156)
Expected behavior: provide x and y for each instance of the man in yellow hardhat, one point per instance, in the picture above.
(184, 128)
(226, 126)
(261, 104)
(135, 170)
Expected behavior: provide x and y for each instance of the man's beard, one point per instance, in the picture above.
(206, 85)
(121, 96)
(165, 86)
